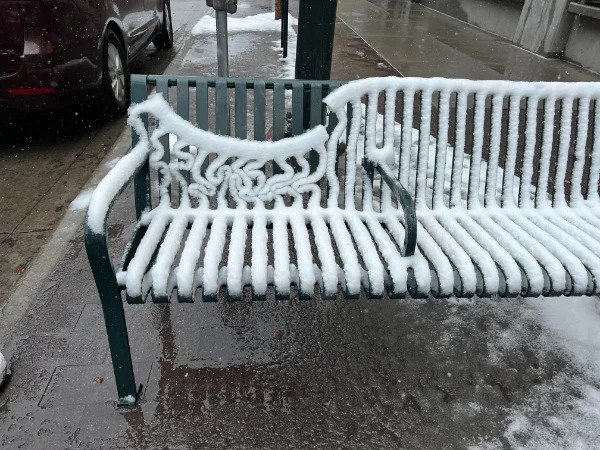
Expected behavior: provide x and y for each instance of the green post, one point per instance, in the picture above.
(316, 27)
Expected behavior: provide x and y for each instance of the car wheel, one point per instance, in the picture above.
(164, 39)
(115, 74)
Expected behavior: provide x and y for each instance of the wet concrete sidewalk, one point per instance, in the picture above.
(420, 42)
(275, 374)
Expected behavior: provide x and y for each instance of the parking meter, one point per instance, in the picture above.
(222, 8)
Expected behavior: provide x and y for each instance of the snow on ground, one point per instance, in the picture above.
(82, 200)
(264, 22)
(259, 22)
(3, 367)
(563, 411)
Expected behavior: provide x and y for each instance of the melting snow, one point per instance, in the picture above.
(82, 200)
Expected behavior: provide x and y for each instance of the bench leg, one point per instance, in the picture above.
(114, 316)
(118, 342)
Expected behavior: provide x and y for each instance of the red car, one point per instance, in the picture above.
(54, 53)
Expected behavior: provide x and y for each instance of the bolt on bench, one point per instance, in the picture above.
(400, 187)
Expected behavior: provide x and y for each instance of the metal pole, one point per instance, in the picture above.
(222, 44)
(284, 27)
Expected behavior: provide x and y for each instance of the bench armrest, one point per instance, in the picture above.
(408, 206)
(112, 185)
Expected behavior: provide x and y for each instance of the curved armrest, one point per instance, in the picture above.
(408, 206)
(111, 187)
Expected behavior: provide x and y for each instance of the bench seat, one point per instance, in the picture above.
(483, 252)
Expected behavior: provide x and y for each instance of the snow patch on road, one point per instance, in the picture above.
(82, 200)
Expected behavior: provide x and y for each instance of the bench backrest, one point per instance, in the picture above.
(243, 172)
(462, 143)
(454, 143)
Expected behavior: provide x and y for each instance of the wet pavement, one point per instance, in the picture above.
(431, 374)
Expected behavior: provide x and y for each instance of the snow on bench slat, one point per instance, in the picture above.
(441, 151)
(476, 155)
(281, 255)
(235, 259)
(564, 142)
(583, 112)
(347, 252)
(494, 156)
(455, 253)
(166, 255)
(329, 268)
(554, 268)
(397, 266)
(529, 264)
(369, 254)
(407, 127)
(575, 247)
(260, 255)
(213, 253)
(137, 266)
(594, 180)
(459, 150)
(190, 256)
(423, 155)
(304, 258)
(546, 154)
(511, 151)
(480, 257)
(505, 261)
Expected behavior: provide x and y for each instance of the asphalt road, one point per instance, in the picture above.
(46, 158)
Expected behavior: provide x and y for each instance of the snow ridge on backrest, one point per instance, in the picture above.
(464, 143)
(205, 165)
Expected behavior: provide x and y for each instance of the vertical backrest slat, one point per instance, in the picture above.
(389, 125)
(183, 109)
(578, 167)
(142, 188)
(316, 104)
(202, 104)
(594, 178)
(564, 142)
(476, 153)
(241, 110)
(278, 110)
(350, 163)
(541, 192)
(459, 149)
(139, 93)
(510, 161)
(423, 154)
(370, 147)
(406, 139)
(162, 87)
(221, 106)
(441, 150)
(530, 139)
(259, 110)
(494, 156)
(297, 108)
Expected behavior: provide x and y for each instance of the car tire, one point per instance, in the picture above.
(164, 39)
(115, 74)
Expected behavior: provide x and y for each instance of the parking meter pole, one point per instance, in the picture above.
(316, 28)
(284, 26)
(222, 44)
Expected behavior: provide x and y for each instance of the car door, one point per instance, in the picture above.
(136, 20)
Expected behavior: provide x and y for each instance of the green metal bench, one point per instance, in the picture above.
(314, 201)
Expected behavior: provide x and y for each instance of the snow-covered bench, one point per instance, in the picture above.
(325, 212)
